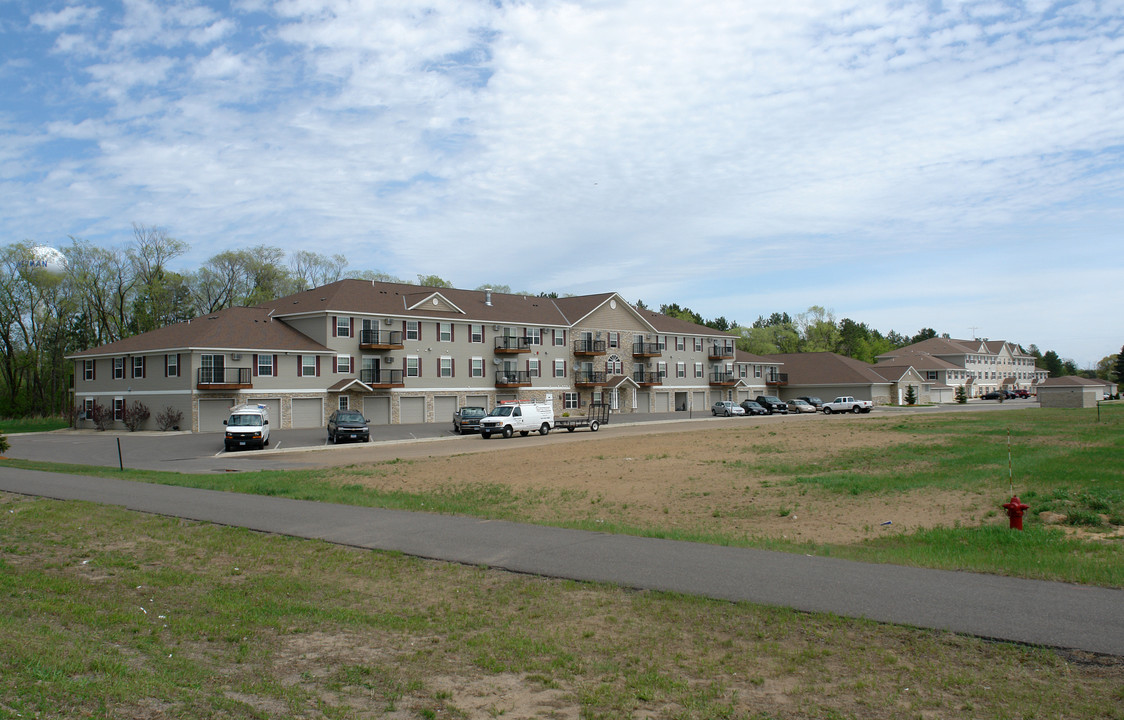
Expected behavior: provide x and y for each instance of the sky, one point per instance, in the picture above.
(953, 165)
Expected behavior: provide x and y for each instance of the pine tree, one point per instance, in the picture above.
(1119, 369)
(910, 396)
(961, 395)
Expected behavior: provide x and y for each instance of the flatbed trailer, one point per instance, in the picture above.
(596, 415)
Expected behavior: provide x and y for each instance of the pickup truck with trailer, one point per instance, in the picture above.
(596, 415)
(846, 403)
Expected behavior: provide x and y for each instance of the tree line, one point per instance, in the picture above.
(106, 294)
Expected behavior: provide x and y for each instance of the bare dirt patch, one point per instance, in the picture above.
(703, 477)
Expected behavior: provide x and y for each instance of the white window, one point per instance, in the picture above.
(413, 366)
(445, 368)
(477, 333)
(343, 363)
(534, 336)
(560, 337)
(756, 371)
(172, 363)
(343, 327)
(533, 368)
(559, 368)
(308, 365)
(614, 339)
(477, 367)
(569, 400)
(661, 340)
(118, 408)
(265, 365)
(680, 343)
(614, 366)
(343, 402)
(698, 370)
(680, 369)
(88, 408)
(412, 332)
(119, 368)
(445, 332)
(661, 368)
(88, 369)
(698, 344)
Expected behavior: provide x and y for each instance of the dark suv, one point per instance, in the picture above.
(348, 425)
(772, 403)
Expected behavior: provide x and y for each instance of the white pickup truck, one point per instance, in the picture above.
(846, 403)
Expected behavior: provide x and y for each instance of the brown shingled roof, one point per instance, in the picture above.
(238, 328)
(826, 368)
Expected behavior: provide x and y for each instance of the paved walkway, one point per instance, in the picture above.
(1029, 611)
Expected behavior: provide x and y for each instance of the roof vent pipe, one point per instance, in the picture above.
(488, 296)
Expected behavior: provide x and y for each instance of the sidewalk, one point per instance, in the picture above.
(1029, 611)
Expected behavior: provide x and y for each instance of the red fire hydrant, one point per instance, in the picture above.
(1015, 510)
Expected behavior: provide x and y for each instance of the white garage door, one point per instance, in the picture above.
(699, 401)
(477, 401)
(643, 402)
(412, 410)
(376, 408)
(663, 402)
(308, 412)
(212, 413)
(443, 408)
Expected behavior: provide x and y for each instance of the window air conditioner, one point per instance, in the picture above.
(236, 356)
(388, 321)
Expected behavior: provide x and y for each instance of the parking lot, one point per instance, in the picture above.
(303, 448)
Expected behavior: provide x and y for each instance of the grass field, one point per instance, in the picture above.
(11, 426)
(111, 614)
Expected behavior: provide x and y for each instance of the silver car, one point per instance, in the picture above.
(800, 406)
(727, 408)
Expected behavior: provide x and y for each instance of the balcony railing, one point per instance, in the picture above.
(223, 378)
(380, 339)
(776, 378)
(721, 377)
(646, 349)
(512, 378)
(647, 377)
(721, 352)
(590, 347)
(589, 377)
(381, 378)
(512, 344)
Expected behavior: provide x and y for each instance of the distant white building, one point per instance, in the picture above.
(979, 366)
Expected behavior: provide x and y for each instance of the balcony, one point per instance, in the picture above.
(647, 377)
(380, 340)
(721, 352)
(776, 379)
(509, 345)
(589, 378)
(381, 378)
(646, 349)
(721, 377)
(512, 378)
(223, 379)
(590, 347)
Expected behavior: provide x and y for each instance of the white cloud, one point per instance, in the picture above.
(65, 18)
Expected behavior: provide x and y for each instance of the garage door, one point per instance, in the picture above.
(412, 410)
(698, 402)
(643, 402)
(376, 408)
(443, 408)
(477, 401)
(663, 402)
(308, 412)
(212, 413)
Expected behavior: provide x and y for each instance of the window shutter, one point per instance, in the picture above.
(335, 326)
(165, 366)
(94, 370)
(453, 332)
(453, 366)
(144, 366)
(300, 366)
(255, 370)
(351, 327)
(351, 364)
(317, 366)
(177, 364)
(419, 359)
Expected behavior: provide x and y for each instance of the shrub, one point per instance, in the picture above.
(135, 415)
(169, 418)
(101, 415)
(961, 395)
(3, 444)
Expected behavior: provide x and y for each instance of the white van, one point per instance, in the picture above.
(521, 417)
(247, 426)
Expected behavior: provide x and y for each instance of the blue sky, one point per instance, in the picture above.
(941, 164)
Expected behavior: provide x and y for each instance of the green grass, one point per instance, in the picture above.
(107, 613)
(27, 425)
(1064, 461)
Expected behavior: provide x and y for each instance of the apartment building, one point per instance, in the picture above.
(410, 354)
(979, 366)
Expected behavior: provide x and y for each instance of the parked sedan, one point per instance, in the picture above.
(752, 408)
(800, 406)
(348, 425)
(467, 419)
(812, 400)
(726, 408)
